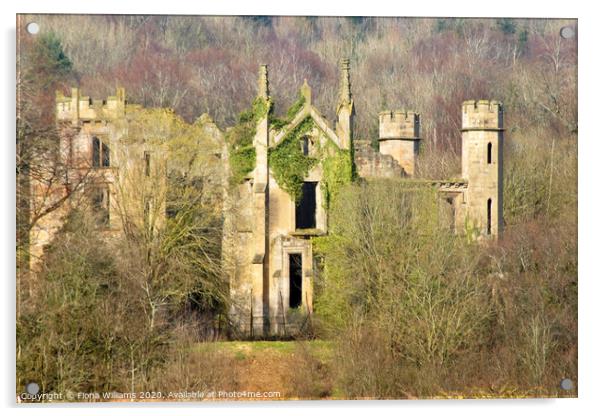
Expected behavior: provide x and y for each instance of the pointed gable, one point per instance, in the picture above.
(308, 110)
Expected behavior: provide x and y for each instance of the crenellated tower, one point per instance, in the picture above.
(482, 164)
(399, 137)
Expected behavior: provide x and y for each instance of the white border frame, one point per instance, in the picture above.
(590, 147)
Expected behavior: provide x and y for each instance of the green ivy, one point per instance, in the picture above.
(290, 166)
(337, 171)
(288, 163)
(261, 108)
(280, 123)
(242, 161)
(240, 140)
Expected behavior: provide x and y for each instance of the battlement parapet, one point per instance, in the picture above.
(78, 107)
(398, 125)
(482, 115)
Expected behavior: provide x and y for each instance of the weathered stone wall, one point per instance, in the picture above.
(60, 185)
(238, 252)
(81, 120)
(370, 163)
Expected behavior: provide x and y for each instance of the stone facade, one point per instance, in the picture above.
(267, 235)
(89, 131)
(263, 240)
(104, 168)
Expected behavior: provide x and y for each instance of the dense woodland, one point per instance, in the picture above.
(410, 310)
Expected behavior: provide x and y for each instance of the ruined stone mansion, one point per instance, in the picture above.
(267, 233)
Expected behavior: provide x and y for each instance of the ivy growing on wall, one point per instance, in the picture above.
(260, 108)
(290, 166)
(337, 171)
(278, 123)
(240, 140)
(287, 161)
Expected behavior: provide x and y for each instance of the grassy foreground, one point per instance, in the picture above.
(307, 370)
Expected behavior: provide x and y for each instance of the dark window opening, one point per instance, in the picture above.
(106, 156)
(305, 211)
(489, 149)
(95, 152)
(489, 216)
(452, 224)
(305, 145)
(101, 154)
(101, 206)
(295, 273)
(147, 163)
